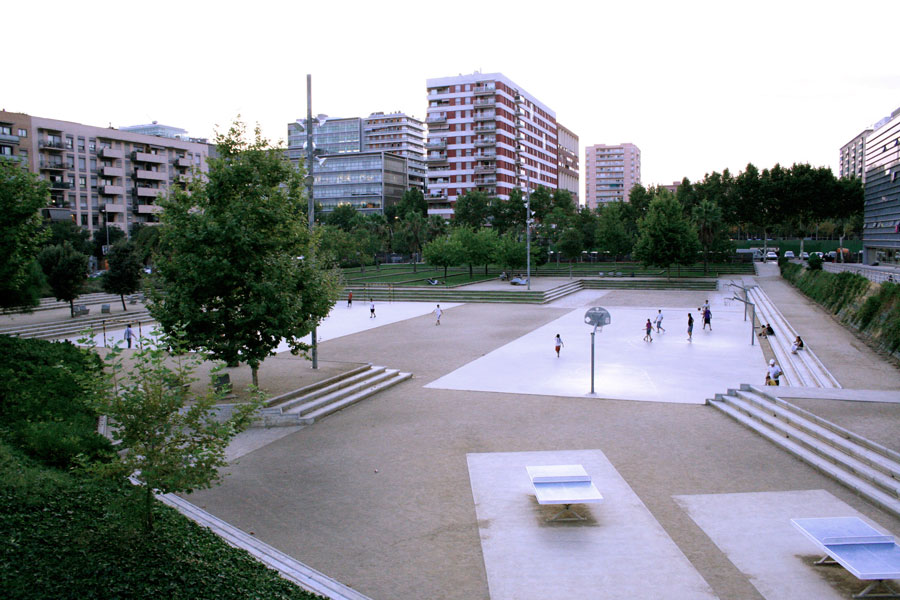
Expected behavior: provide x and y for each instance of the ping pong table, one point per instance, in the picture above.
(566, 485)
(862, 550)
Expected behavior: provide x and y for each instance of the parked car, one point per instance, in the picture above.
(804, 256)
(771, 255)
(819, 254)
(789, 254)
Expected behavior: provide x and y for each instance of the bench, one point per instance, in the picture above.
(81, 309)
(104, 309)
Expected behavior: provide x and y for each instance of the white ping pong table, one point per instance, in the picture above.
(566, 485)
(862, 550)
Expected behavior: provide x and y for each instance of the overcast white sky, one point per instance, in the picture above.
(697, 86)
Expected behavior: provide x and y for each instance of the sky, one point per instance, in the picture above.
(697, 86)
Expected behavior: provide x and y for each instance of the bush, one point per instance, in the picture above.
(814, 263)
(43, 410)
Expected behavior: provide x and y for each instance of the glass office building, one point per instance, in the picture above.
(367, 181)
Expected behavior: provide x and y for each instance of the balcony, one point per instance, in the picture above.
(436, 144)
(489, 154)
(53, 165)
(147, 192)
(490, 191)
(112, 208)
(436, 159)
(483, 89)
(486, 128)
(487, 115)
(111, 153)
(436, 118)
(184, 163)
(151, 175)
(112, 190)
(60, 185)
(156, 159)
(148, 209)
(486, 180)
(52, 145)
(9, 138)
(486, 101)
(437, 196)
(112, 172)
(485, 142)
(485, 168)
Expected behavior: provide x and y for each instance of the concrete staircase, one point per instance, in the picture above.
(73, 327)
(801, 369)
(867, 468)
(308, 404)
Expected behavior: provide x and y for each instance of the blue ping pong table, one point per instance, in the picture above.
(862, 550)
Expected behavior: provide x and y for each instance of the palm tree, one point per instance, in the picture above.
(708, 220)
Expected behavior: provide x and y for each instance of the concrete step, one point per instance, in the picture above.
(347, 386)
(861, 462)
(391, 378)
(838, 459)
(283, 399)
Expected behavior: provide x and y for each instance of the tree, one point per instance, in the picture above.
(22, 195)
(612, 235)
(511, 252)
(412, 201)
(707, 219)
(541, 202)
(68, 230)
(170, 438)
(413, 231)
(435, 226)
(666, 238)
(343, 216)
(570, 244)
(444, 252)
(508, 215)
(478, 246)
(101, 235)
(471, 209)
(237, 272)
(146, 240)
(66, 269)
(124, 276)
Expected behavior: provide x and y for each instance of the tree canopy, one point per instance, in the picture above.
(237, 273)
(666, 237)
(22, 195)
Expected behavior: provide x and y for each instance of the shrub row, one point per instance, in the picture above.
(873, 309)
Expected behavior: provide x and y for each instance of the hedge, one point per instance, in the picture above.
(873, 309)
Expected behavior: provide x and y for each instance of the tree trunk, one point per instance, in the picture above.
(72, 308)
(445, 274)
(148, 508)
(122, 296)
(254, 370)
(470, 271)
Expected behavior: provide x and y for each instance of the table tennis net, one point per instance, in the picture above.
(858, 540)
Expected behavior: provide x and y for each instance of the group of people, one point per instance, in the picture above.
(371, 304)
(705, 314)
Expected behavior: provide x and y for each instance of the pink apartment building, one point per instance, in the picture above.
(486, 133)
(611, 172)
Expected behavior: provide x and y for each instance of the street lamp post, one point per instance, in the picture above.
(309, 192)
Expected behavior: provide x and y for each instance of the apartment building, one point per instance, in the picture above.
(100, 175)
(852, 162)
(611, 172)
(486, 133)
(567, 156)
(365, 162)
(881, 216)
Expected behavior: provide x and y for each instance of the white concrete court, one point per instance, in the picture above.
(669, 369)
(340, 321)
(754, 531)
(621, 551)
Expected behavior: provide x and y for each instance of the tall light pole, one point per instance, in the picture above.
(309, 192)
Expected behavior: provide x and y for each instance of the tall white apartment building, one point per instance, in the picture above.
(401, 134)
(611, 172)
(486, 133)
(568, 162)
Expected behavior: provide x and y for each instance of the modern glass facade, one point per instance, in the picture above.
(368, 181)
(881, 217)
(335, 136)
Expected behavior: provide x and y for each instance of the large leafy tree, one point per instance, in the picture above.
(444, 252)
(22, 195)
(479, 247)
(237, 272)
(68, 230)
(101, 235)
(511, 252)
(435, 226)
(471, 209)
(124, 276)
(412, 201)
(666, 237)
(570, 245)
(707, 219)
(344, 216)
(612, 234)
(508, 215)
(66, 270)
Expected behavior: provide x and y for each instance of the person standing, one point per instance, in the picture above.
(559, 344)
(774, 372)
(690, 327)
(350, 299)
(707, 318)
(128, 334)
(659, 320)
(371, 308)
(648, 330)
(437, 313)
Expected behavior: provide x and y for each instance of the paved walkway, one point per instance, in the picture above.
(380, 497)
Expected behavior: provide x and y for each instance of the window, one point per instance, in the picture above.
(81, 144)
(81, 164)
(70, 142)
(23, 133)
(5, 150)
(82, 181)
